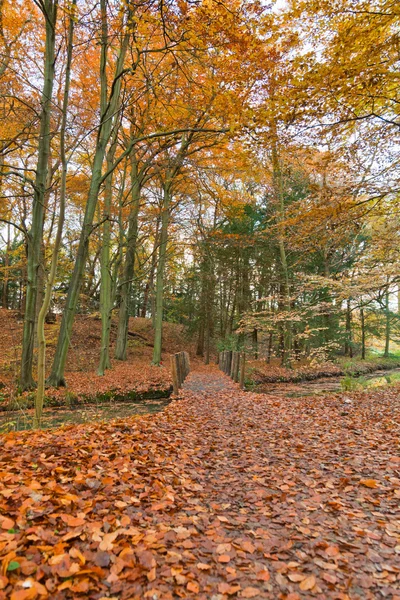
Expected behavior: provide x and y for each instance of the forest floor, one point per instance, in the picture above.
(261, 372)
(224, 494)
(136, 376)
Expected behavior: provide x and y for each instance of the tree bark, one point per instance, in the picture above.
(39, 399)
(35, 235)
(162, 257)
(105, 266)
(108, 111)
(129, 265)
(387, 324)
(362, 318)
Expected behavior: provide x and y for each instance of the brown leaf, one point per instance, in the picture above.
(250, 592)
(296, 577)
(72, 521)
(224, 558)
(370, 483)
(193, 586)
(147, 559)
(308, 583)
(263, 575)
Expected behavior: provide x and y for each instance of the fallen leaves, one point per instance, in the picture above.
(212, 497)
(370, 483)
(308, 583)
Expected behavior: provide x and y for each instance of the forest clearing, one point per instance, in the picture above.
(199, 299)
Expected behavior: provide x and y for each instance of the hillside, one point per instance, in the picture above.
(135, 375)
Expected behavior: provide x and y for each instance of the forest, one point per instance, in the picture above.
(185, 183)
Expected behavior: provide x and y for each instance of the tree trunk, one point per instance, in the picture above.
(129, 265)
(348, 347)
(39, 399)
(162, 257)
(149, 288)
(105, 266)
(35, 235)
(362, 318)
(6, 269)
(279, 194)
(108, 112)
(387, 324)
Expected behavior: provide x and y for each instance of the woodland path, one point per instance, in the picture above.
(224, 494)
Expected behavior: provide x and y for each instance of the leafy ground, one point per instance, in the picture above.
(224, 494)
(260, 372)
(135, 375)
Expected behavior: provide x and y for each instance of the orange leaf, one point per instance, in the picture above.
(308, 583)
(28, 594)
(369, 483)
(296, 576)
(203, 566)
(194, 587)
(248, 547)
(7, 523)
(224, 558)
(72, 521)
(263, 575)
(250, 592)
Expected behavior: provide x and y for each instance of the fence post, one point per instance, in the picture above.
(179, 368)
(234, 365)
(237, 367)
(227, 363)
(175, 380)
(187, 363)
(183, 366)
(242, 370)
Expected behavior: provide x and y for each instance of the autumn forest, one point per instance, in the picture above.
(200, 299)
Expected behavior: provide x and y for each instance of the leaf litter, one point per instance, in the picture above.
(223, 495)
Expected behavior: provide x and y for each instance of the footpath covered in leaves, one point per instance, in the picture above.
(225, 494)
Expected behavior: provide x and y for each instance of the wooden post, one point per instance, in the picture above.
(178, 369)
(175, 381)
(235, 358)
(187, 361)
(242, 370)
(237, 366)
(182, 363)
(230, 357)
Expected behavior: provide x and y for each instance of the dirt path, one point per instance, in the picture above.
(225, 494)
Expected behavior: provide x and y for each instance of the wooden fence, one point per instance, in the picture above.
(180, 367)
(233, 364)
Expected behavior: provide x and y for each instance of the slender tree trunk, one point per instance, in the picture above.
(35, 235)
(39, 400)
(108, 112)
(279, 193)
(162, 257)
(362, 318)
(398, 300)
(105, 266)
(387, 324)
(129, 265)
(348, 348)
(269, 352)
(6, 269)
(149, 288)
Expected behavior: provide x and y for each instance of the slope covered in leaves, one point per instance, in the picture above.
(134, 375)
(223, 495)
